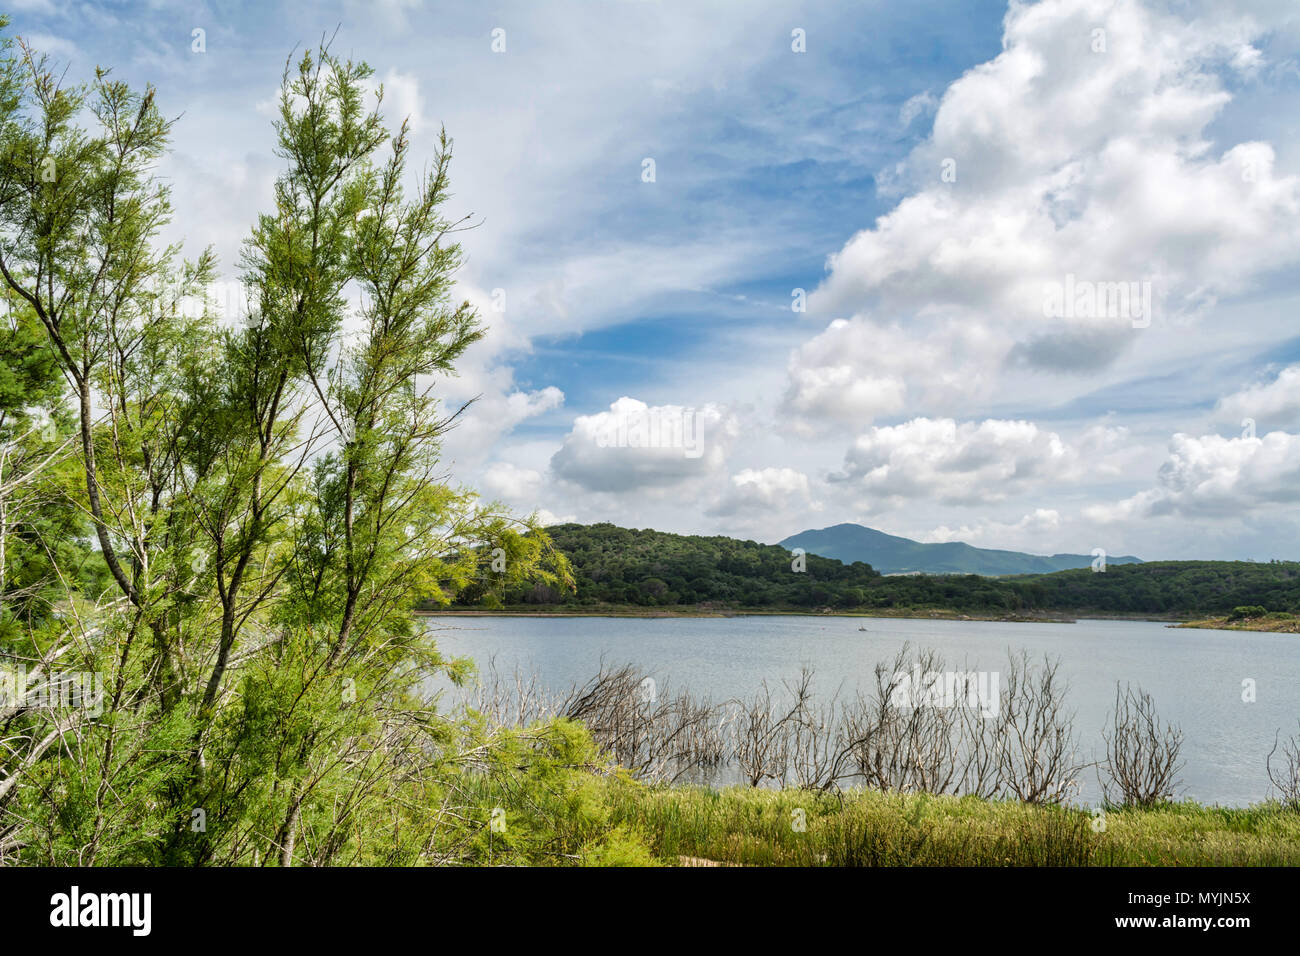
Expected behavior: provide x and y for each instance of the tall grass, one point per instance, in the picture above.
(749, 827)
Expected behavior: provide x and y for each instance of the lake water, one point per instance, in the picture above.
(1195, 676)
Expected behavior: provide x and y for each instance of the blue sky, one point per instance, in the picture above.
(927, 172)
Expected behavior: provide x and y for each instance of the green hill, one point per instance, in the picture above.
(891, 554)
(626, 567)
(645, 568)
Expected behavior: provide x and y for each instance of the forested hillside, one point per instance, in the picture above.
(613, 565)
(1169, 586)
(645, 568)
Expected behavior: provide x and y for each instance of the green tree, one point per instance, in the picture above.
(265, 490)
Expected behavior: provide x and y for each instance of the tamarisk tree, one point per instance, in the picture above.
(262, 486)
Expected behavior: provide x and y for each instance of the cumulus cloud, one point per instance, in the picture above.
(503, 479)
(1216, 477)
(1078, 158)
(522, 405)
(1275, 403)
(855, 372)
(638, 446)
(964, 463)
(758, 490)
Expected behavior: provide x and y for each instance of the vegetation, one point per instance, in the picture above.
(1169, 587)
(1282, 622)
(1245, 611)
(1141, 762)
(874, 781)
(744, 827)
(213, 527)
(613, 565)
(621, 567)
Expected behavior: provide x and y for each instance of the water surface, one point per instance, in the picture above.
(1195, 676)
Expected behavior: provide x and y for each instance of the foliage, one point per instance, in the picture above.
(1245, 611)
(1162, 587)
(266, 499)
(741, 826)
(646, 568)
(613, 565)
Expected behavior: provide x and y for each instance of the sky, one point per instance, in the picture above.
(1018, 275)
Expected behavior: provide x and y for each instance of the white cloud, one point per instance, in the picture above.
(761, 490)
(857, 371)
(1216, 477)
(495, 413)
(1067, 162)
(637, 446)
(509, 481)
(522, 405)
(1167, 157)
(965, 463)
(1268, 404)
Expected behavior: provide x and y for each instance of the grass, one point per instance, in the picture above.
(745, 827)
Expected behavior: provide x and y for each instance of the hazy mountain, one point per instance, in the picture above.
(891, 554)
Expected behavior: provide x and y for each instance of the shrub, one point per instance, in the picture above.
(1243, 611)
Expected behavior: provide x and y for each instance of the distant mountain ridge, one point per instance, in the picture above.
(891, 554)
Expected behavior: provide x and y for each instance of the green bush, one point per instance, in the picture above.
(1243, 611)
(620, 847)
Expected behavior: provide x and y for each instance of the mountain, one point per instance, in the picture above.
(890, 554)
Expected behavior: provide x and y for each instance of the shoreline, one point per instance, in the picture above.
(1267, 625)
(933, 615)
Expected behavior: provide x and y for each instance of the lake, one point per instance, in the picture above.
(1195, 676)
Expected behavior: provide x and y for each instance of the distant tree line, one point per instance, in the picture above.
(644, 568)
